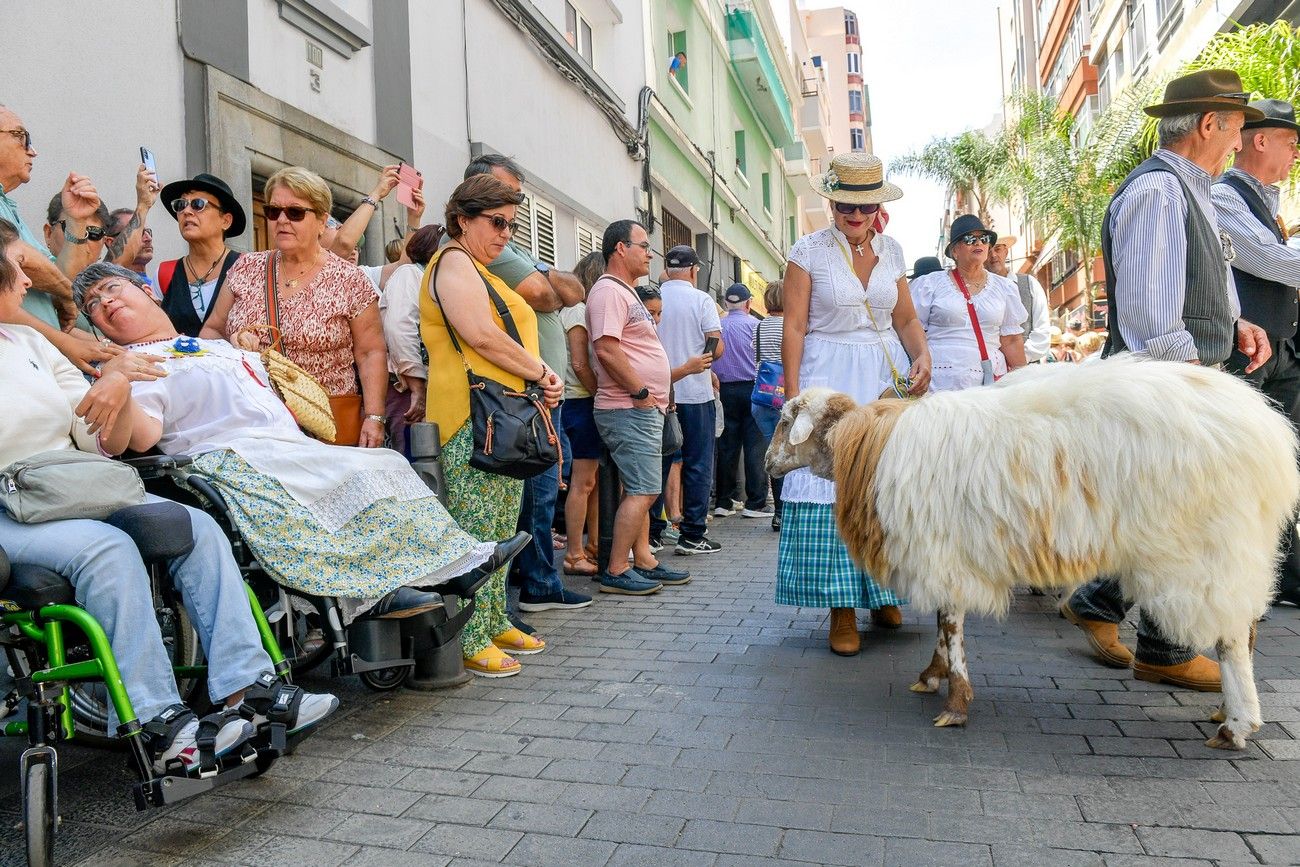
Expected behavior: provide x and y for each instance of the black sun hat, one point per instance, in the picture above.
(206, 183)
(964, 225)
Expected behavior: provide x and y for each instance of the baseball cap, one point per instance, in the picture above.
(681, 256)
(737, 292)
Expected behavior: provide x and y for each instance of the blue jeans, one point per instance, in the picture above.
(535, 564)
(111, 583)
(741, 434)
(697, 421)
(767, 418)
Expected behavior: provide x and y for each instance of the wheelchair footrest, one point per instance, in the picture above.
(449, 630)
(171, 788)
(356, 664)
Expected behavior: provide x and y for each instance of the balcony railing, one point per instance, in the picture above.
(756, 70)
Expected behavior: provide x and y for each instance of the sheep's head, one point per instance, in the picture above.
(802, 437)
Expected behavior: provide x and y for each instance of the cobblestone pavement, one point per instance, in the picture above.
(709, 726)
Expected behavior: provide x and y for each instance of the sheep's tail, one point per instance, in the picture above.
(858, 440)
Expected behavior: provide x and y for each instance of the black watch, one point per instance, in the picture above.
(642, 394)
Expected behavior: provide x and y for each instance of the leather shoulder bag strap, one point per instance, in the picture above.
(273, 302)
(503, 310)
(166, 271)
(970, 310)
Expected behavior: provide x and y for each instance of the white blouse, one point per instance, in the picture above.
(943, 313)
(838, 305)
(399, 308)
(41, 389)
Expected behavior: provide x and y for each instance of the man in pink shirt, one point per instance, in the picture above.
(632, 382)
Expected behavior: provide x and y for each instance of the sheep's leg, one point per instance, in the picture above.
(959, 688)
(1240, 712)
(1221, 715)
(928, 680)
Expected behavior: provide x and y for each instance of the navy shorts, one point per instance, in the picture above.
(580, 428)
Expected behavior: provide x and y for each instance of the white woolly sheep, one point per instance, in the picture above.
(1176, 479)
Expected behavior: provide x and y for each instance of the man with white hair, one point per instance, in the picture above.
(1173, 297)
(1267, 273)
(1038, 325)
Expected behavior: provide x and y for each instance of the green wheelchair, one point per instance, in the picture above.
(56, 649)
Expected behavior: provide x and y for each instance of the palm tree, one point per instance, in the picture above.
(972, 164)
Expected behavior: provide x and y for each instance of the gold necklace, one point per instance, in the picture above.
(293, 283)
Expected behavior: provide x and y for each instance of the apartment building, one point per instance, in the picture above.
(836, 49)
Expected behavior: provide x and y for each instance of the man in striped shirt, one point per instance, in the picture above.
(1267, 272)
(1173, 297)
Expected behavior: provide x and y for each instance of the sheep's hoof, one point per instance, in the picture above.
(949, 718)
(1226, 739)
(1220, 715)
(931, 685)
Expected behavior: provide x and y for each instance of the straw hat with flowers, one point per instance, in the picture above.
(856, 179)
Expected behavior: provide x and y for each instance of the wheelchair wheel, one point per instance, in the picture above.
(181, 641)
(307, 646)
(385, 679)
(38, 813)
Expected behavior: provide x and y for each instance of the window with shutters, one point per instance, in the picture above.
(588, 240)
(523, 234)
(544, 231)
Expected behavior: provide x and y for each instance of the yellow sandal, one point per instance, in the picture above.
(518, 642)
(492, 661)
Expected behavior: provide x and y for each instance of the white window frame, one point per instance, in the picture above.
(855, 63)
(581, 28)
(586, 239)
(853, 91)
(861, 144)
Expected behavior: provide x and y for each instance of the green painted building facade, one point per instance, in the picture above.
(724, 155)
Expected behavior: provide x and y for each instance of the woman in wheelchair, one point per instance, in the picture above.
(49, 407)
(324, 520)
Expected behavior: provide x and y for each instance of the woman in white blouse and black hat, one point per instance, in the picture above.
(849, 326)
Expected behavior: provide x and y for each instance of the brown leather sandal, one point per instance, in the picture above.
(579, 566)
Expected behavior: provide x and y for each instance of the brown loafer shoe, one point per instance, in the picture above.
(887, 617)
(1104, 638)
(845, 639)
(1199, 673)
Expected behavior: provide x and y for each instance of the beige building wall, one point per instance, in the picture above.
(837, 53)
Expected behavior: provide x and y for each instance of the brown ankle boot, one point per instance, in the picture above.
(845, 640)
(1104, 638)
(887, 617)
(1199, 673)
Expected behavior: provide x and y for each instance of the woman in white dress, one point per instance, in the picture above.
(941, 306)
(849, 326)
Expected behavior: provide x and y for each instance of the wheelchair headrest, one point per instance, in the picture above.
(160, 530)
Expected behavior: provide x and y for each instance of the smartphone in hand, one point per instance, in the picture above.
(408, 180)
(710, 346)
(146, 157)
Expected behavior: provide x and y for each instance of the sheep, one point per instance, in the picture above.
(1176, 478)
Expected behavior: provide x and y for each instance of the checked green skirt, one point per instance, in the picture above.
(813, 568)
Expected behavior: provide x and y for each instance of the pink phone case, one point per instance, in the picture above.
(408, 179)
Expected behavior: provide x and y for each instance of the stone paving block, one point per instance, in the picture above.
(374, 856)
(631, 855)
(692, 805)
(1031, 856)
(1035, 806)
(517, 789)
(597, 796)
(303, 821)
(820, 847)
(545, 818)
(640, 828)
(1276, 848)
(388, 831)
(927, 853)
(934, 799)
(371, 799)
(547, 851)
(1190, 843)
(307, 853)
(463, 841)
(461, 810)
(729, 837)
(1064, 784)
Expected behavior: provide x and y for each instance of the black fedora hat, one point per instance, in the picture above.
(206, 183)
(1277, 112)
(1205, 91)
(964, 225)
(925, 265)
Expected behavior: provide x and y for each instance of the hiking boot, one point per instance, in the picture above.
(845, 640)
(1104, 638)
(1199, 673)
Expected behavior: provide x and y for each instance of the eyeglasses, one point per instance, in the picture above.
(195, 205)
(110, 289)
(500, 223)
(644, 245)
(22, 135)
(970, 239)
(847, 208)
(93, 233)
(295, 213)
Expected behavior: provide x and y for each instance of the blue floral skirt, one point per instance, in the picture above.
(388, 544)
(813, 568)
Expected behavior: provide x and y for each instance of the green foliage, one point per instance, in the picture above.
(973, 164)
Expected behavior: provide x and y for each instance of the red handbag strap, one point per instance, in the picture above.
(165, 273)
(970, 309)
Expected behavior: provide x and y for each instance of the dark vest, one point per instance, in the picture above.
(1207, 314)
(179, 306)
(1273, 306)
(1027, 294)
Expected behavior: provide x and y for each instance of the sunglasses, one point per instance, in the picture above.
(93, 233)
(846, 208)
(195, 205)
(970, 239)
(295, 213)
(500, 223)
(22, 135)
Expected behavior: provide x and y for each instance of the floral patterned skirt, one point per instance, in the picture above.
(389, 544)
(487, 506)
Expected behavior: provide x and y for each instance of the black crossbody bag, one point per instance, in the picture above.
(513, 434)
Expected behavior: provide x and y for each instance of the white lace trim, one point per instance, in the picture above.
(361, 489)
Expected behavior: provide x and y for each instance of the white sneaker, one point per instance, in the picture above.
(185, 745)
(757, 513)
(722, 512)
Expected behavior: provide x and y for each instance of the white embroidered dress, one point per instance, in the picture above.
(954, 352)
(843, 348)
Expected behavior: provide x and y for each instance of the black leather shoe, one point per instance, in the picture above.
(405, 602)
(467, 584)
(1288, 596)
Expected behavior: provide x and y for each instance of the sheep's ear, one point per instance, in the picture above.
(802, 428)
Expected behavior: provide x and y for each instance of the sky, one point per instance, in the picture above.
(932, 70)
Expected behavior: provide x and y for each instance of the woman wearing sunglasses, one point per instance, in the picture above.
(326, 309)
(949, 302)
(849, 326)
(457, 295)
(207, 213)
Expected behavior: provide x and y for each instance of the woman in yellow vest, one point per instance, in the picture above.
(480, 219)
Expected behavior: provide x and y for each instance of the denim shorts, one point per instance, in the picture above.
(580, 428)
(635, 439)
